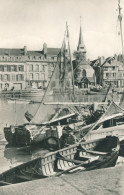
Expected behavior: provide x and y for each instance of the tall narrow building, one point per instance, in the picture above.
(83, 72)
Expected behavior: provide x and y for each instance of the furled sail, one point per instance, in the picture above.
(60, 87)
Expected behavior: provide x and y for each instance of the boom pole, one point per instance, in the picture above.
(72, 72)
(121, 33)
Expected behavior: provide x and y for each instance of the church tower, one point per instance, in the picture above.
(83, 72)
(81, 46)
(81, 49)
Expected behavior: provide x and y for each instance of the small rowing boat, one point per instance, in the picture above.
(84, 156)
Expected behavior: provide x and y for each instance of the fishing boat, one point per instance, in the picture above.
(96, 154)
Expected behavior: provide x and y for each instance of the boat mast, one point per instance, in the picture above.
(120, 23)
(72, 72)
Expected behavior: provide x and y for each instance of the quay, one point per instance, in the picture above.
(109, 181)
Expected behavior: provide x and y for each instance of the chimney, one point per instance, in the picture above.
(25, 50)
(45, 49)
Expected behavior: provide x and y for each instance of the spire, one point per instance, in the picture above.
(81, 46)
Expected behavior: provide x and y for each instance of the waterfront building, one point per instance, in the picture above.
(109, 71)
(21, 69)
(83, 73)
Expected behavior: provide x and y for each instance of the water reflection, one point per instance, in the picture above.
(13, 156)
(17, 156)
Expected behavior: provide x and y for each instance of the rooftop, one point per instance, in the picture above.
(20, 52)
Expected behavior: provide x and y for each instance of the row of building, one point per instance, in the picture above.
(21, 69)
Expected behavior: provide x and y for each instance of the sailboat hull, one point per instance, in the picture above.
(22, 136)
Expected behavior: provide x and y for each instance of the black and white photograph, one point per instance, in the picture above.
(61, 97)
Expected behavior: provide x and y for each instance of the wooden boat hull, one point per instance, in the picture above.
(81, 156)
(20, 136)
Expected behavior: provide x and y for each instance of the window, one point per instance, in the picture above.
(6, 77)
(42, 76)
(0, 77)
(37, 68)
(1, 68)
(107, 75)
(31, 76)
(114, 74)
(20, 68)
(37, 76)
(8, 68)
(5, 68)
(43, 68)
(31, 67)
(20, 77)
(105, 69)
(14, 68)
(40, 57)
(13, 77)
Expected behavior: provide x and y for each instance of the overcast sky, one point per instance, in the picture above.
(33, 22)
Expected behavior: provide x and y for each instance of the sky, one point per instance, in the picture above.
(32, 22)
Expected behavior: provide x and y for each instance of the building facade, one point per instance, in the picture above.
(21, 69)
(109, 71)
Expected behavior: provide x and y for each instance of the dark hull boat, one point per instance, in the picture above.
(27, 135)
(95, 154)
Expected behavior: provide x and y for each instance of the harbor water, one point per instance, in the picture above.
(12, 113)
